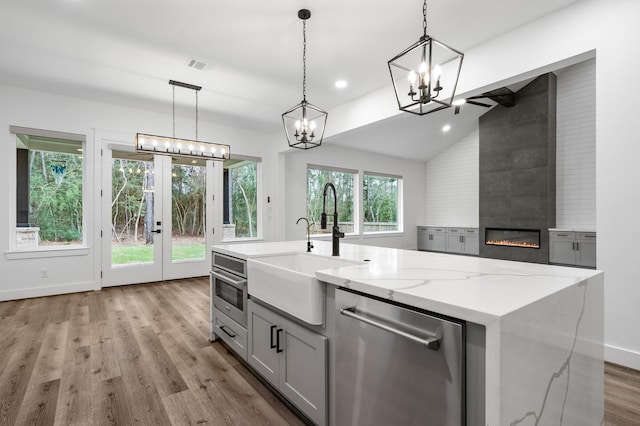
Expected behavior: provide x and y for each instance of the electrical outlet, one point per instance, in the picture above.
(44, 273)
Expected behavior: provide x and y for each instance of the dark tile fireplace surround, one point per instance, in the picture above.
(518, 174)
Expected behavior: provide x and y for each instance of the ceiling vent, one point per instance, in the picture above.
(198, 65)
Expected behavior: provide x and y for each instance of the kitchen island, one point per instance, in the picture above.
(543, 325)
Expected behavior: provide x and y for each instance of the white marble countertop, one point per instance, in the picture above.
(470, 288)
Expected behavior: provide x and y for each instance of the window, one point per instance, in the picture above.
(49, 201)
(380, 200)
(344, 181)
(241, 187)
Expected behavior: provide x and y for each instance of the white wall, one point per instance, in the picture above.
(452, 185)
(412, 173)
(28, 108)
(576, 147)
(559, 40)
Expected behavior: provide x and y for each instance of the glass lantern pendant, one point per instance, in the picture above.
(304, 124)
(425, 75)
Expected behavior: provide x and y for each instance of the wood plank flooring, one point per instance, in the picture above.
(126, 355)
(141, 354)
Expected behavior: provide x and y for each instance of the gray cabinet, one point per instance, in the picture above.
(432, 238)
(463, 240)
(572, 248)
(291, 357)
(232, 333)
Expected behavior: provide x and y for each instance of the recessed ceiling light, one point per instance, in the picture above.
(446, 128)
(341, 84)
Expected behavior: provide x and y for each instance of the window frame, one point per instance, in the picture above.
(16, 252)
(357, 223)
(400, 204)
(259, 179)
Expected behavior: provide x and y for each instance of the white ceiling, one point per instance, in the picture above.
(125, 52)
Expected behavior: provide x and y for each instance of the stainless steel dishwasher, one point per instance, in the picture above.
(396, 365)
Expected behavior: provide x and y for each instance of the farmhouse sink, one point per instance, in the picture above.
(288, 282)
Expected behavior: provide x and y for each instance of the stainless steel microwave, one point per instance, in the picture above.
(229, 294)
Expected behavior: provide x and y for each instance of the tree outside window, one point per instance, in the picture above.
(49, 202)
(380, 202)
(240, 199)
(344, 183)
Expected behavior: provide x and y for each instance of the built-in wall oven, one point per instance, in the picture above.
(229, 287)
(229, 302)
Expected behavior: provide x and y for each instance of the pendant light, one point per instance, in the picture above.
(425, 75)
(304, 124)
(182, 147)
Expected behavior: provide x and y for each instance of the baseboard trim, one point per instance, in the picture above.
(52, 290)
(622, 356)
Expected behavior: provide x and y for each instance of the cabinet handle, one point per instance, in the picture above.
(430, 237)
(273, 327)
(278, 350)
(562, 235)
(222, 327)
(577, 246)
(462, 238)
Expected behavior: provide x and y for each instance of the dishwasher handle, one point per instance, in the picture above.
(432, 342)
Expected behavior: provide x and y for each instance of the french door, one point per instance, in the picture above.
(155, 212)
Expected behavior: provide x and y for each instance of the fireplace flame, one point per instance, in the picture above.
(513, 243)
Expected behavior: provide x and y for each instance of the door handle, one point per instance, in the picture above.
(271, 344)
(431, 342)
(157, 231)
(278, 350)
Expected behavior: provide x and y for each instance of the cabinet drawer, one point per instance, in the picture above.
(587, 236)
(559, 235)
(471, 231)
(454, 230)
(232, 333)
(436, 230)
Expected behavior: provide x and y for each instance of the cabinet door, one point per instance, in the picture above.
(263, 331)
(471, 244)
(439, 242)
(423, 238)
(561, 248)
(586, 251)
(303, 371)
(455, 242)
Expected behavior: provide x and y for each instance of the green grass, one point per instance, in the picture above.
(121, 255)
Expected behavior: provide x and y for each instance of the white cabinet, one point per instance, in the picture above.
(572, 248)
(432, 238)
(463, 240)
(291, 357)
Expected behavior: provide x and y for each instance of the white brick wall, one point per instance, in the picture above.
(576, 147)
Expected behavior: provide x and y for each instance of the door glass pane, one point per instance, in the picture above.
(188, 193)
(132, 218)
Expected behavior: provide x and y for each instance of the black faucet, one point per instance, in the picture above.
(335, 234)
(309, 243)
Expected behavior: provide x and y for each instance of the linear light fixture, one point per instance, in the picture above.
(170, 145)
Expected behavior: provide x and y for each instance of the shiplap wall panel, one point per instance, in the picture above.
(452, 175)
(452, 184)
(576, 147)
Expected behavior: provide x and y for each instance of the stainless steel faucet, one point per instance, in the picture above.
(309, 243)
(335, 233)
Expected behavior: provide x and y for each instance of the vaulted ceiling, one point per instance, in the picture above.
(125, 52)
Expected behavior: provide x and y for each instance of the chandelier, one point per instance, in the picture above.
(182, 147)
(304, 124)
(425, 75)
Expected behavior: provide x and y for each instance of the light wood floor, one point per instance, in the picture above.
(141, 354)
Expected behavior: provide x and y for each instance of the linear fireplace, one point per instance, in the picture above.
(522, 238)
